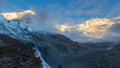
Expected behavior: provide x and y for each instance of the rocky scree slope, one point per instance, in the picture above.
(15, 54)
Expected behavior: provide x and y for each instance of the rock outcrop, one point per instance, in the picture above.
(15, 54)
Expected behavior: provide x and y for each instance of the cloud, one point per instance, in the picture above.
(115, 29)
(71, 18)
(15, 15)
(42, 21)
(93, 30)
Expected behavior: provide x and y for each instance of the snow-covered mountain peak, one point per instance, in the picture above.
(16, 28)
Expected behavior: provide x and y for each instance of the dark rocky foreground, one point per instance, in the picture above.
(15, 54)
(58, 52)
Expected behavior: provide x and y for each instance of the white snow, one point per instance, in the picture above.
(38, 54)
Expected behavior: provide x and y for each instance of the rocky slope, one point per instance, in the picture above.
(100, 55)
(15, 54)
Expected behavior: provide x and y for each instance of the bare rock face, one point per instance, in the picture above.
(6, 41)
(14, 54)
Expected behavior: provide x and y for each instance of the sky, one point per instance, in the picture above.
(64, 12)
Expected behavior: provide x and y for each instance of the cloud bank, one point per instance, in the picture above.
(80, 20)
(94, 30)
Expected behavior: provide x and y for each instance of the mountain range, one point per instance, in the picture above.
(24, 47)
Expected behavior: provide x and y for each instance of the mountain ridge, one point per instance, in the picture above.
(58, 51)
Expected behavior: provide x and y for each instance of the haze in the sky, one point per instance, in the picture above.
(81, 20)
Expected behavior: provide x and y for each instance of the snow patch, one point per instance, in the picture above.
(38, 54)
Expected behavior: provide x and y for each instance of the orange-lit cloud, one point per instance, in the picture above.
(61, 28)
(95, 28)
(14, 15)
